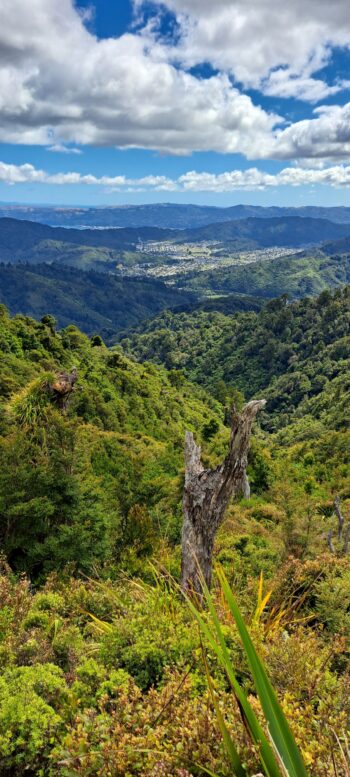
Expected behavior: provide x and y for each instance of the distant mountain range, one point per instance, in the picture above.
(27, 241)
(53, 269)
(166, 216)
(253, 233)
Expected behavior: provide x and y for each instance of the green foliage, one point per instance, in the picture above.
(94, 301)
(111, 671)
(296, 355)
(99, 483)
(30, 723)
(30, 406)
(297, 276)
(133, 697)
(333, 601)
(210, 429)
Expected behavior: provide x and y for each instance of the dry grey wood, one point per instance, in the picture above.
(339, 515)
(207, 493)
(346, 539)
(330, 541)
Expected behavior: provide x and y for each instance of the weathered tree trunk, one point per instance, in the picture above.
(342, 533)
(207, 494)
(339, 515)
(346, 539)
(330, 541)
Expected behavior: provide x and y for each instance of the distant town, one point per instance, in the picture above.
(165, 259)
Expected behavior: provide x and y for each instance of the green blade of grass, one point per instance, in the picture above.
(266, 753)
(235, 760)
(280, 732)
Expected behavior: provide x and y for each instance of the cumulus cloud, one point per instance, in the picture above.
(61, 87)
(276, 47)
(254, 179)
(326, 136)
(193, 181)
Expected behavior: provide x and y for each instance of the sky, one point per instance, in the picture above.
(206, 101)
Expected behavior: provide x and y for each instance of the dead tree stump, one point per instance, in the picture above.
(207, 493)
(62, 387)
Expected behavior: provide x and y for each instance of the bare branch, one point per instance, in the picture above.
(193, 462)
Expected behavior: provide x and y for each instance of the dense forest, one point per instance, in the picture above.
(104, 672)
(297, 355)
(93, 301)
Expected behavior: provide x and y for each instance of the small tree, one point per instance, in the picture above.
(207, 493)
(49, 321)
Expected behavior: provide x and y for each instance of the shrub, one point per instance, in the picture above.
(30, 723)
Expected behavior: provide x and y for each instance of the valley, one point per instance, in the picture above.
(174, 388)
(116, 346)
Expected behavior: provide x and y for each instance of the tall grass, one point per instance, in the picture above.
(30, 405)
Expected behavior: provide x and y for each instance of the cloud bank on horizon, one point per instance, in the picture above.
(235, 180)
(187, 76)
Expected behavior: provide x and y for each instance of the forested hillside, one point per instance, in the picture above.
(289, 352)
(18, 239)
(125, 421)
(278, 231)
(102, 665)
(91, 300)
(294, 275)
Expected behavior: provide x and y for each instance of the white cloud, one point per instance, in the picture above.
(327, 136)
(276, 47)
(253, 179)
(59, 148)
(193, 181)
(61, 87)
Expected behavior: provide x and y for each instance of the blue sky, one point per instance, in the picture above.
(180, 101)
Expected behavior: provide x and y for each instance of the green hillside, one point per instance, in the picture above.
(278, 231)
(29, 241)
(294, 275)
(93, 301)
(102, 670)
(125, 421)
(19, 240)
(290, 352)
